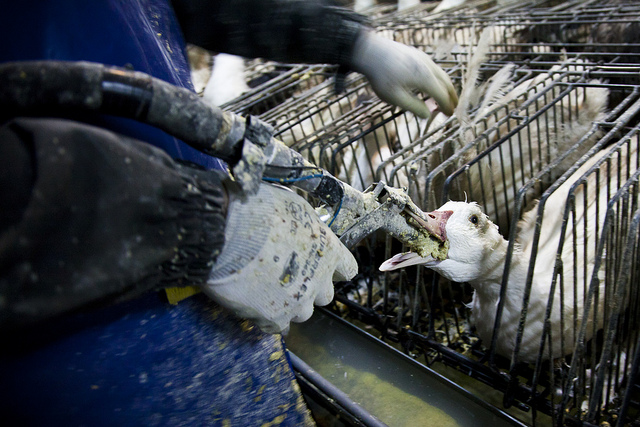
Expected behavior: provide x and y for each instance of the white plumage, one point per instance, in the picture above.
(200, 61)
(227, 80)
(364, 6)
(477, 255)
(486, 113)
(218, 78)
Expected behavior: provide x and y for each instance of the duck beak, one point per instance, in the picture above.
(403, 260)
(434, 222)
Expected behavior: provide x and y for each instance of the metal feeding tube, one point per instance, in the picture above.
(379, 208)
(350, 213)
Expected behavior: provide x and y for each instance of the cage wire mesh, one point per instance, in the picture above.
(613, 184)
(559, 143)
(274, 84)
(629, 277)
(428, 319)
(600, 31)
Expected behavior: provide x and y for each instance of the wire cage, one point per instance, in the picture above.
(423, 314)
(629, 277)
(611, 300)
(275, 83)
(557, 147)
(604, 31)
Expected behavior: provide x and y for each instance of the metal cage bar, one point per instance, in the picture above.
(438, 323)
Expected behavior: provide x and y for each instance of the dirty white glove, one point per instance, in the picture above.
(395, 70)
(278, 260)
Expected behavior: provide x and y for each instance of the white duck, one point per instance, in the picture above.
(481, 120)
(477, 255)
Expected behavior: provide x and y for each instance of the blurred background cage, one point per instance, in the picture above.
(570, 95)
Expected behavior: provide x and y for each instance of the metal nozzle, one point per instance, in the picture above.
(378, 208)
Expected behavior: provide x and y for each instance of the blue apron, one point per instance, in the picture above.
(142, 34)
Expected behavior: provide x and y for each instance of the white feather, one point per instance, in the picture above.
(503, 171)
(200, 66)
(497, 89)
(476, 59)
(227, 80)
(407, 4)
(448, 4)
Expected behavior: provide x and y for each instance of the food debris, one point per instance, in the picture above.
(275, 355)
(427, 245)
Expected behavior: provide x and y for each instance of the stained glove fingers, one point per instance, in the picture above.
(436, 82)
(291, 271)
(444, 80)
(305, 312)
(347, 266)
(408, 101)
(271, 327)
(325, 294)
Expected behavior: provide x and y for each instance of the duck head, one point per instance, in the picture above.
(472, 238)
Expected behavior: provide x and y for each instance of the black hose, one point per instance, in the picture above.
(57, 88)
(63, 88)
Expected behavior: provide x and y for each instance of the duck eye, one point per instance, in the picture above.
(473, 219)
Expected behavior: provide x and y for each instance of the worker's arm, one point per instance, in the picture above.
(315, 31)
(91, 216)
(280, 30)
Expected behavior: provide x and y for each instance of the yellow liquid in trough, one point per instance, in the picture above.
(384, 383)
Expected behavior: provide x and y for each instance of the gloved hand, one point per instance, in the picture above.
(278, 260)
(395, 69)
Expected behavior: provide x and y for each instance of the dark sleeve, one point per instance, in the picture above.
(91, 216)
(308, 31)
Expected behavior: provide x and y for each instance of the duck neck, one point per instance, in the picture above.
(489, 282)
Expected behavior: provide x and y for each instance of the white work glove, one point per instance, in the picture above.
(278, 260)
(395, 70)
